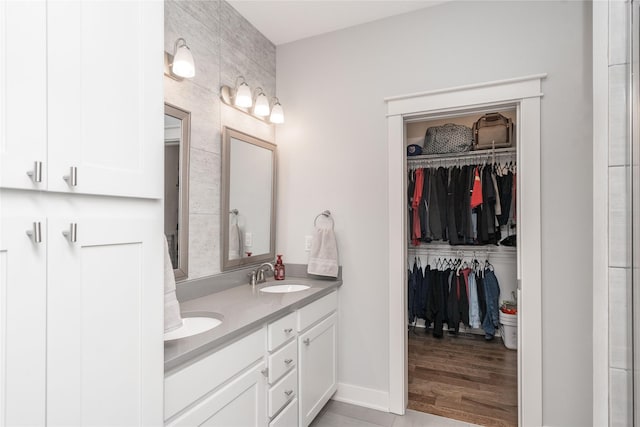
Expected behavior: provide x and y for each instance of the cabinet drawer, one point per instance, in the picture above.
(280, 331)
(310, 314)
(288, 417)
(283, 392)
(187, 385)
(282, 361)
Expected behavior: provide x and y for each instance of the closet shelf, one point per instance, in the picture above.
(481, 251)
(479, 154)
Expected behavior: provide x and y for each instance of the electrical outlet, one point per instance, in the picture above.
(248, 239)
(307, 243)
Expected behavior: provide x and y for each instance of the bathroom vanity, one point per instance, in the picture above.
(271, 362)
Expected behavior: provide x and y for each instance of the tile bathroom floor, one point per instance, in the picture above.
(338, 414)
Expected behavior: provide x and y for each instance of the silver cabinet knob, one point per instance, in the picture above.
(36, 233)
(72, 234)
(36, 173)
(72, 178)
(288, 331)
(288, 361)
(307, 341)
(288, 392)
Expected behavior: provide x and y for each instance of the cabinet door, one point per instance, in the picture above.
(241, 403)
(317, 364)
(106, 107)
(104, 329)
(22, 322)
(23, 93)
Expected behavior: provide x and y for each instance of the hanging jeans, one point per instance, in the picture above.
(474, 305)
(492, 296)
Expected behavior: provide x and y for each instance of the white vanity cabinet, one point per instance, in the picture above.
(225, 388)
(80, 99)
(317, 356)
(241, 384)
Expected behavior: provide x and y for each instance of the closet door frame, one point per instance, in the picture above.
(524, 93)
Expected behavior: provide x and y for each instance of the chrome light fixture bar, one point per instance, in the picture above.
(241, 99)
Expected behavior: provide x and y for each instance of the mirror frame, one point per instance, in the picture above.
(182, 272)
(226, 263)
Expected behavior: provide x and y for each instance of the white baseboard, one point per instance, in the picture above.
(362, 396)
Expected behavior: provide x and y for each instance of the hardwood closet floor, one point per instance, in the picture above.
(463, 377)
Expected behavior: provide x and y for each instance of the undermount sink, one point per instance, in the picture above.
(192, 326)
(283, 289)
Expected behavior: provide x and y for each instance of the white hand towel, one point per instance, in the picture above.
(235, 241)
(172, 318)
(323, 258)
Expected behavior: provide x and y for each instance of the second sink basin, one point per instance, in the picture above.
(192, 326)
(283, 289)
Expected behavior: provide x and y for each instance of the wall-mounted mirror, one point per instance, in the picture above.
(248, 200)
(177, 129)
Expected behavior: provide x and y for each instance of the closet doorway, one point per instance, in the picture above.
(523, 96)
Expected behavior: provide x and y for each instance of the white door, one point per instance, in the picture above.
(23, 311)
(317, 359)
(104, 329)
(113, 138)
(241, 403)
(23, 94)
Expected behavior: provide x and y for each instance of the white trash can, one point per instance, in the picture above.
(509, 330)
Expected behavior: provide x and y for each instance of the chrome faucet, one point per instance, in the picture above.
(260, 272)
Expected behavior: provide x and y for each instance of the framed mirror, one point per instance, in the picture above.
(177, 130)
(248, 200)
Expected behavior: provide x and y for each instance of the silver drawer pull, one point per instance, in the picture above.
(36, 233)
(307, 341)
(72, 234)
(265, 372)
(288, 361)
(72, 178)
(288, 331)
(288, 392)
(36, 173)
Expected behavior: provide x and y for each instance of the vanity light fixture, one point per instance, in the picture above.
(241, 99)
(262, 103)
(277, 114)
(179, 65)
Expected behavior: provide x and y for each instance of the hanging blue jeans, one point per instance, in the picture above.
(492, 295)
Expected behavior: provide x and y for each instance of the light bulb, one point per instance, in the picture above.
(277, 114)
(243, 96)
(262, 105)
(183, 64)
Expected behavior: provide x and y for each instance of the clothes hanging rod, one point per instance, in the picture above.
(466, 155)
(494, 250)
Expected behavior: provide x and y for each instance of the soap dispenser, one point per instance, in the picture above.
(278, 269)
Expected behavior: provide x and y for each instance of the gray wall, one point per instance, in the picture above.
(333, 156)
(224, 46)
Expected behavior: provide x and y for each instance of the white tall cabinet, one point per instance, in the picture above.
(81, 286)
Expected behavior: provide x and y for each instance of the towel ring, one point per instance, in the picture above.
(326, 214)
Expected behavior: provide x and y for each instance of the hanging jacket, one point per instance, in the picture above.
(442, 181)
(415, 204)
(434, 226)
(411, 286)
(423, 210)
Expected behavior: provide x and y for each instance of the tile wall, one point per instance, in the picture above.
(620, 298)
(224, 45)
